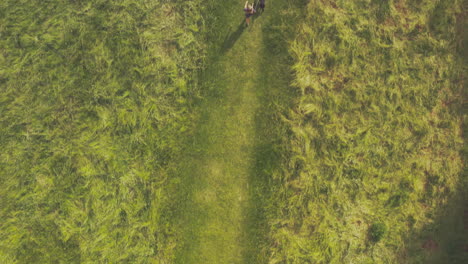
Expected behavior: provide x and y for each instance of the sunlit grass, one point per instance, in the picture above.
(375, 152)
(97, 110)
(93, 103)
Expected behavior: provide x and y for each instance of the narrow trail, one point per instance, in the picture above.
(217, 209)
(223, 167)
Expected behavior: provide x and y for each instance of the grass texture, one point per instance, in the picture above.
(374, 165)
(93, 103)
(141, 131)
(218, 189)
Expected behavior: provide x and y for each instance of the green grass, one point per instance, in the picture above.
(93, 101)
(167, 132)
(219, 190)
(377, 136)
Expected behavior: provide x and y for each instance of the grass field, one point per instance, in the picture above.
(138, 131)
(220, 188)
(94, 98)
(374, 172)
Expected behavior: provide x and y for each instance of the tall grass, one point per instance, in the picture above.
(375, 134)
(93, 102)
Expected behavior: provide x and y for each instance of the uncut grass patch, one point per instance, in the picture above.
(376, 133)
(94, 97)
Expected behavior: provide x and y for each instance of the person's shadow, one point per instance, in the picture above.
(231, 39)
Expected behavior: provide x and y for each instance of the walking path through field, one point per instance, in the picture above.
(219, 217)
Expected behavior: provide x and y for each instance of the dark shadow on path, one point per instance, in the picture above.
(231, 39)
(275, 97)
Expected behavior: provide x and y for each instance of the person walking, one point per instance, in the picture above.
(249, 11)
(262, 5)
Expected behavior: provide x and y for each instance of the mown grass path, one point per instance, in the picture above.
(220, 198)
(224, 158)
(223, 164)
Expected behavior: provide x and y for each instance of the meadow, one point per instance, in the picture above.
(374, 170)
(142, 131)
(94, 99)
